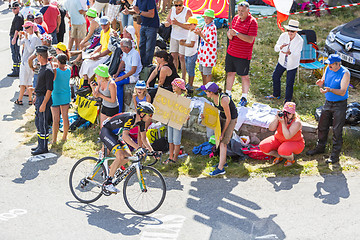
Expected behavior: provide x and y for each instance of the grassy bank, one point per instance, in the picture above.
(83, 143)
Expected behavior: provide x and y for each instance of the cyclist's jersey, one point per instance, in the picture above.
(125, 121)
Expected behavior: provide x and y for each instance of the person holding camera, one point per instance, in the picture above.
(288, 139)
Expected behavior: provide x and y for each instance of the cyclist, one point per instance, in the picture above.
(118, 145)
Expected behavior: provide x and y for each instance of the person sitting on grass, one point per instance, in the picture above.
(228, 118)
(288, 139)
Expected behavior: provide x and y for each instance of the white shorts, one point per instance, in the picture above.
(26, 75)
(100, 6)
(176, 47)
(113, 12)
(88, 66)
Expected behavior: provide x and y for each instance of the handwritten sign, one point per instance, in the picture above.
(171, 108)
(212, 120)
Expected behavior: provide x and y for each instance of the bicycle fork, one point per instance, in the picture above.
(140, 178)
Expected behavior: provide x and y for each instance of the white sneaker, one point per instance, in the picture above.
(111, 188)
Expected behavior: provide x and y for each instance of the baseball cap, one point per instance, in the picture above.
(41, 48)
(131, 30)
(15, 5)
(192, 20)
(211, 87)
(140, 84)
(60, 46)
(333, 58)
(104, 20)
(180, 83)
(289, 107)
(30, 17)
(38, 14)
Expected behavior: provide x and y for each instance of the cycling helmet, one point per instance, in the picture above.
(145, 107)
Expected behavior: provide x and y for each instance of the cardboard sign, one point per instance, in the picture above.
(171, 109)
(212, 120)
(87, 109)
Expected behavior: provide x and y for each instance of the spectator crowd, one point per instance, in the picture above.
(113, 42)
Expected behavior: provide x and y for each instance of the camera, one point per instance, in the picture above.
(123, 4)
(281, 114)
(137, 18)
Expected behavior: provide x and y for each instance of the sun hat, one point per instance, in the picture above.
(102, 70)
(104, 20)
(211, 87)
(131, 30)
(54, 2)
(180, 83)
(60, 46)
(38, 14)
(28, 24)
(140, 84)
(91, 12)
(333, 58)
(293, 25)
(192, 20)
(290, 107)
(46, 37)
(209, 13)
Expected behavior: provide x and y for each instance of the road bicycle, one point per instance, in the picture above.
(144, 188)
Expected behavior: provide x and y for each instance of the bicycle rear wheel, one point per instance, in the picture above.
(86, 179)
(149, 199)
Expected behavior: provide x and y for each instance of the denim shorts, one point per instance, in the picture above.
(190, 63)
(174, 135)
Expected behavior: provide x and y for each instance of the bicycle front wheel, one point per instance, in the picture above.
(147, 199)
(86, 179)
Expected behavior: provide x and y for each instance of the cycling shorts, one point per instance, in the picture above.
(112, 141)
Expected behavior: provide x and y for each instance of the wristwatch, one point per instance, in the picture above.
(237, 33)
(140, 13)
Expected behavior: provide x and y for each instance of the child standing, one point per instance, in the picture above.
(191, 46)
(208, 46)
(61, 97)
(174, 135)
(141, 95)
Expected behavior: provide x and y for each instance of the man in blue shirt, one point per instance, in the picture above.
(150, 23)
(334, 84)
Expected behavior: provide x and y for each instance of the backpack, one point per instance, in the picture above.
(254, 152)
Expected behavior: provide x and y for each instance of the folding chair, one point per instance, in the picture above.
(310, 52)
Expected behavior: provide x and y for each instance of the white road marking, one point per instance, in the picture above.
(12, 214)
(41, 157)
(169, 229)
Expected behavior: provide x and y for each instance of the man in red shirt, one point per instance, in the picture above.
(241, 41)
(52, 18)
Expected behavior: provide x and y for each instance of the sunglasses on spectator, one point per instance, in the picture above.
(178, 5)
(291, 31)
(287, 113)
(27, 27)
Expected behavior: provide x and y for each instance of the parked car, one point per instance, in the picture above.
(345, 40)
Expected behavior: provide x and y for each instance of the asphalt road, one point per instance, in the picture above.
(36, 203)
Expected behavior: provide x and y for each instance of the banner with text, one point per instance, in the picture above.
(86, 109)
